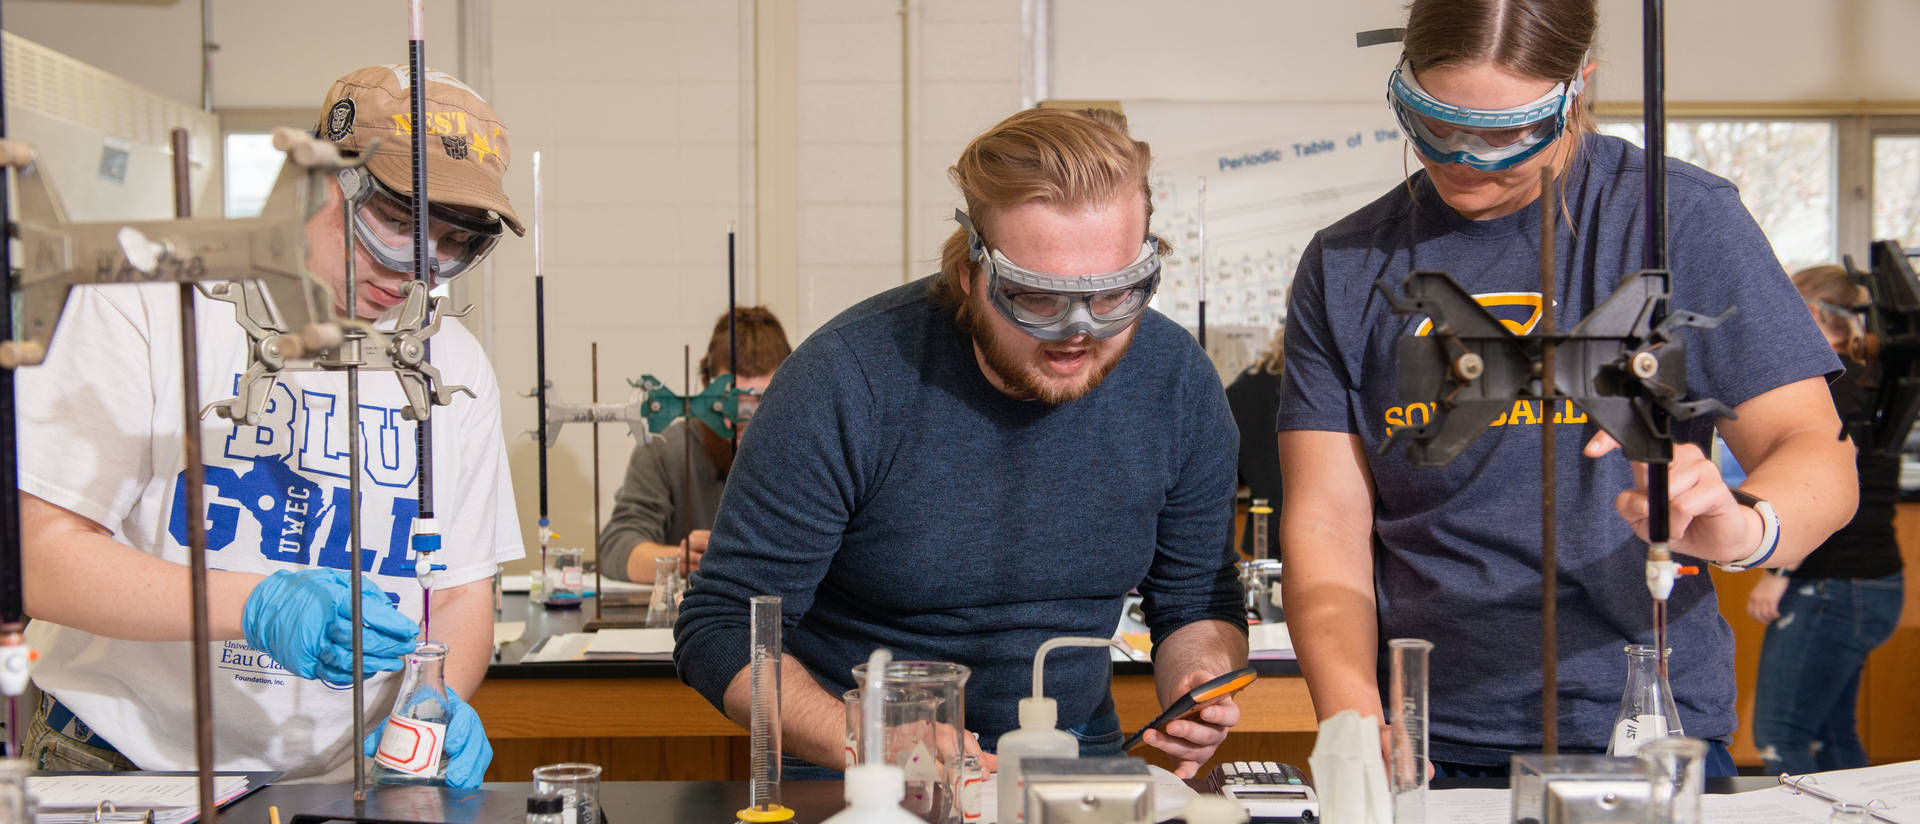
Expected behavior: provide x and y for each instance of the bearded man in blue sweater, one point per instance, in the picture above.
(962, 467)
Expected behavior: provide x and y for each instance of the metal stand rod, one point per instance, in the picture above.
(599, 594)
(195, 483)
(13, 600)
(1549, 443)
(1655, 257)
(686, 468)
(353, 335)
(733, 343)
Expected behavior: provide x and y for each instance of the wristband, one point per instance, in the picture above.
(1769, 534)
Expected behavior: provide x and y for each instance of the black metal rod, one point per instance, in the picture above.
(196, 483)
(733, 341)
(1654, 95)
(540, 378)
(13, 597)
(599, 588)
(1549, 443)
(686, 469)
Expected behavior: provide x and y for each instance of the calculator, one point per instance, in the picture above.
(1268, 789)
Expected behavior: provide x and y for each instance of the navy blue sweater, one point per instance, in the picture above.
(892, 497)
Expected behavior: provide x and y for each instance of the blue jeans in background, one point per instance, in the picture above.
(1809, 678)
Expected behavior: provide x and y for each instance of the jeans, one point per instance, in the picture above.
(1809, 677)
(58, 741)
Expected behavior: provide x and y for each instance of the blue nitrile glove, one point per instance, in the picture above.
(304, 620)
(468, 752)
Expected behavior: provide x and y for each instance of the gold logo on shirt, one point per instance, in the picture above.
(1518, 311)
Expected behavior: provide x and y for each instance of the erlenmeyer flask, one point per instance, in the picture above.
(413, 741)
(1647, 710)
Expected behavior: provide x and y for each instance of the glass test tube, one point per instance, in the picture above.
(765, 675)
(1408, 777)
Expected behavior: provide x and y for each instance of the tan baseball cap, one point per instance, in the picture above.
(466, 142)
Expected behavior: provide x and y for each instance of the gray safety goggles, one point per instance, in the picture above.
(1057, 307)
(383, 224)
(1486, 139)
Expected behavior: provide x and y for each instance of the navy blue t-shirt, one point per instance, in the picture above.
(1457, 547)
(892, 497)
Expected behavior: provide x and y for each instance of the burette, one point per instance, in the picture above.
(540, 366)
(426, 530)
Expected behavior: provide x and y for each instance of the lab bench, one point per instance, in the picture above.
(635, 718)
(624, 802)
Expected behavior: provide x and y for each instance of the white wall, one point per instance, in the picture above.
(636, 107)
(273, 53)
(1293, 50)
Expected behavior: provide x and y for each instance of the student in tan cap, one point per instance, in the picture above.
(104, 516)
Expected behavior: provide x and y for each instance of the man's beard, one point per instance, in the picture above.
(1019, 376)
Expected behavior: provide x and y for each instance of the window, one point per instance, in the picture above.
(1896, 189)
(1786, 173)
(252, 166)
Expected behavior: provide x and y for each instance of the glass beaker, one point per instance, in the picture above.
(937, 764)
(1647, 710)
(413, 740)
(908, 730)
(16, 806)
(1408, 707)
(1261, 581)
(662, 607)
(1676, 776)
(578, 783)
(565, 576)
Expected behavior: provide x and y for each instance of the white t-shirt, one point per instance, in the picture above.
(101, 435)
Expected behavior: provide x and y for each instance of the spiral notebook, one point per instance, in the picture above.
(160, 798)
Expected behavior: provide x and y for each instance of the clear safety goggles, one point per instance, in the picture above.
(1057, 307)
(1485, 139)
(746, 405)
(383, 224)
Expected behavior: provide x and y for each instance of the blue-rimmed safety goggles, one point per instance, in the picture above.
(1485, 139)
(1057, 307)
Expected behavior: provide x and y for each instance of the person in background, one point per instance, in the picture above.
(102, 474)
(1825, 615)
(663, 509)
(1489, 92)
(962, 467)
(1254, 397)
